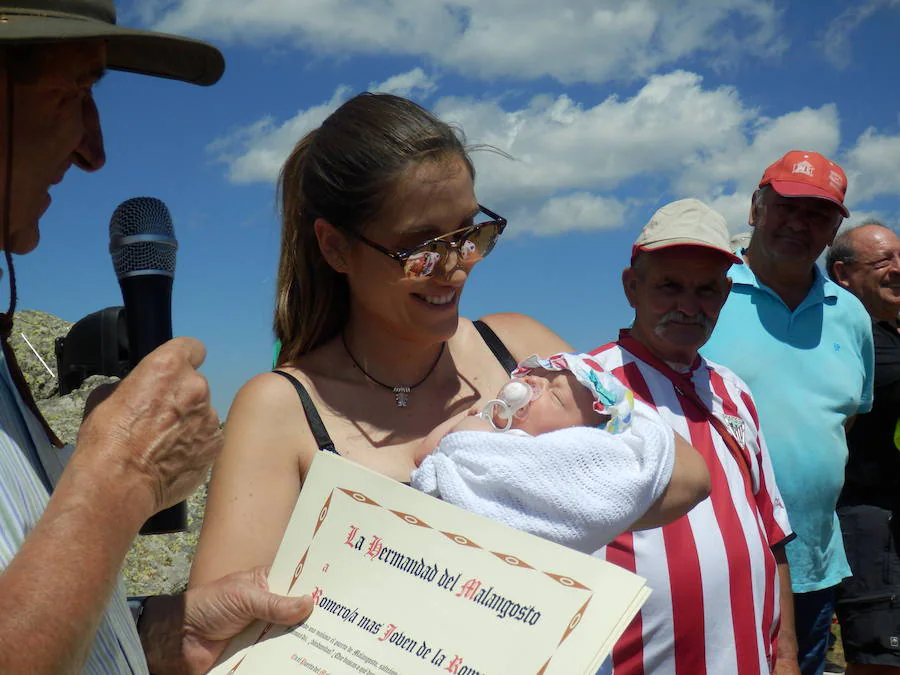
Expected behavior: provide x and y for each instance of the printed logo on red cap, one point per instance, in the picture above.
(805, 168)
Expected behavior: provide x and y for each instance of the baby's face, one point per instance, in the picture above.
(561, 401)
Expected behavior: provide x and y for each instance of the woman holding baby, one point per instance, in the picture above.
(380, 231)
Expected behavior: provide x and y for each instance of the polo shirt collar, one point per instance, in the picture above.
(822, 286)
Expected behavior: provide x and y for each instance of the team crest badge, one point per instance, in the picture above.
(736, 426)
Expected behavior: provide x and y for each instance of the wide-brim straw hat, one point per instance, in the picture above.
(128, 49)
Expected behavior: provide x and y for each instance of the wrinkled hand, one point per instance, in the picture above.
(96, 397)
(157, 429)
(216, 612)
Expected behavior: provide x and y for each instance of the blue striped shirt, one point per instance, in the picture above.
(23, 498)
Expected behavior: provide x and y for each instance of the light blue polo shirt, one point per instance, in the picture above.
(809, 370)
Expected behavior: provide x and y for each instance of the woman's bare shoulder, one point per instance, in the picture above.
(524, 336)
(267, 411)
(266, 391)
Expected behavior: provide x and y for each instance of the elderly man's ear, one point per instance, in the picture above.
(839, 269)
(755, 206)
(629, 284)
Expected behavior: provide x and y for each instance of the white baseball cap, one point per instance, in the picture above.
(686, 222)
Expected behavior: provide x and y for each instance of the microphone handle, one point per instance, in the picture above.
(148, 313)
(148, 320)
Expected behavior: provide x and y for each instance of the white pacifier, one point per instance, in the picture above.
(514, 396)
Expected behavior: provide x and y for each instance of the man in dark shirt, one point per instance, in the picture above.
(866, 261)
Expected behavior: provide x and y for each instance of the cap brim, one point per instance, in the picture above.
(128, 49)
(787, 188)
(672, 243)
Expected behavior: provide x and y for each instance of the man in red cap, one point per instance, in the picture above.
(804, 345)
(63, 538)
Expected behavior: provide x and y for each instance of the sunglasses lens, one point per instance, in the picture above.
(480, 242)
(423, 263)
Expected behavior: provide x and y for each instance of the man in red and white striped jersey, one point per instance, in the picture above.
(721, 585)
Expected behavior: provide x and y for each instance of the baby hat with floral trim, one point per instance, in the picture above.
(611, 397)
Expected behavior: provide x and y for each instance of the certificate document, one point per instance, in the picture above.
(405, 584)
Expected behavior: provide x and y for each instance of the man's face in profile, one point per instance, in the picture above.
(55, 125)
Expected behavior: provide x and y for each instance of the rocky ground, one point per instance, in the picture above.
(155, 563)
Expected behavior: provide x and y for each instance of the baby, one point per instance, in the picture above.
(566, 453)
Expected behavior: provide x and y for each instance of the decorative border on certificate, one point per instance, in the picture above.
(469, 590)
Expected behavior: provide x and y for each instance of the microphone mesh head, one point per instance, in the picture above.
(141, 238)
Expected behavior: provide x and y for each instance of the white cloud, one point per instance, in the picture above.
(579, 211)
(734, 206)
(765, 140)
(835, 41)
(415, 83)
(256, 152)
(576, 40)
(673, 138)
(858, 218)
(564, 156)
(577, 167)
(872, 166)
(558, 144)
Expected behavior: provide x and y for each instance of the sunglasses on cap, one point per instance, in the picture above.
(471, 244)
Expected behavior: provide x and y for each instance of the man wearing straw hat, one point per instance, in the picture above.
(143, 448)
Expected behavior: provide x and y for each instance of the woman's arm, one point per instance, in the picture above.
(256, 480)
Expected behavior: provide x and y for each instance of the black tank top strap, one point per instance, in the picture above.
(495, 344)
(317, 426)
(319, 432)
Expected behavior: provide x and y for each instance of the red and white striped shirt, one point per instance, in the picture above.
(714, 607)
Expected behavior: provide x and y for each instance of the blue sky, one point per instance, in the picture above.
(609, 109)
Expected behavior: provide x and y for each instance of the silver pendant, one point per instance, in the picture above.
(401, 394)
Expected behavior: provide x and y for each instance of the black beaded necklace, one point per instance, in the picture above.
(401, 392)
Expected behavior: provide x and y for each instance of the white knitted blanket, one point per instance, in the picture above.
(580, 487)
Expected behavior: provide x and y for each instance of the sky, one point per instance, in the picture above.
(606, 109)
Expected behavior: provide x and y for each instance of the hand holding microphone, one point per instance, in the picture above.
(170, 428)
(155, 437)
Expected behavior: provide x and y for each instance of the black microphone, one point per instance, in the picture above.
(142, 245)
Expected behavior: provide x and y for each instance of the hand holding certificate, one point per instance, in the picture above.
(404, 584)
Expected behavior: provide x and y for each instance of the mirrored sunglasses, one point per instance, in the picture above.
(470, 244)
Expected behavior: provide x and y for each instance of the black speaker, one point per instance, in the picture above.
(94, 345)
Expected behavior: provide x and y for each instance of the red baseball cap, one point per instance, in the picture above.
(808, 174)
